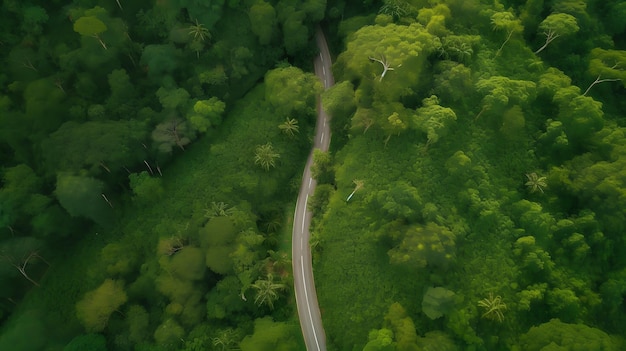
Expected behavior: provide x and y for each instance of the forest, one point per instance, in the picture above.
(472, 199)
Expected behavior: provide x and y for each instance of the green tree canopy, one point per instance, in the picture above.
(97, 305)
(82, 197)
(556, 25)
(271, 336)
(98, 146)
(437, 301)
(146, 188)
(433, 119)
(206, 114)
(263, 20)
(380, 340)
(89, 26)
(403, 328)
(291, 91)
(431, 245)
(568, 337)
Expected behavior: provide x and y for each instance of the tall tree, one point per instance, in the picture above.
(608, 66)
(507, 22)
(557, 25)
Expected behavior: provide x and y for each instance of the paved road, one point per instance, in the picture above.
(306, 297)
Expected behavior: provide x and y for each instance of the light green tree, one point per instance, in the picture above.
(500, 91)
(206, 114)
(507, 22)
(434, 119)
(90, 26)
(402, 326)
(380, 340)
(494, 307)
(265, 156)
(431, 245)
(292, 91)
(556, 335)
(95, 308)
(557, 25)
(608, 66)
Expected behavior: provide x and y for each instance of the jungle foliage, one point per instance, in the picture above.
(488, 139)
(473, 197)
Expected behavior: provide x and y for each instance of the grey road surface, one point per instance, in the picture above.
(306, 297)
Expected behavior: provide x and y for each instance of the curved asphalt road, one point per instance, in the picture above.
(306, 297)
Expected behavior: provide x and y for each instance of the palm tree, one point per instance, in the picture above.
(535, 182)
(267, 291)
(226, 339)
(266, 156)
(290, 127)
(394, 8)
(218, 209)
(493, 307)
(199, 32)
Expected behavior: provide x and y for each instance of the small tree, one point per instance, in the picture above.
(493, 307)
(608, 65)
(290, 127)
(199, 34)
(535, 182)
(265, 156)
(267, 291)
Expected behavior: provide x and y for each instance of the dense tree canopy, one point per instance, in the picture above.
(472, 198)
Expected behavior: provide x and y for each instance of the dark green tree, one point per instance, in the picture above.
(84, 197)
